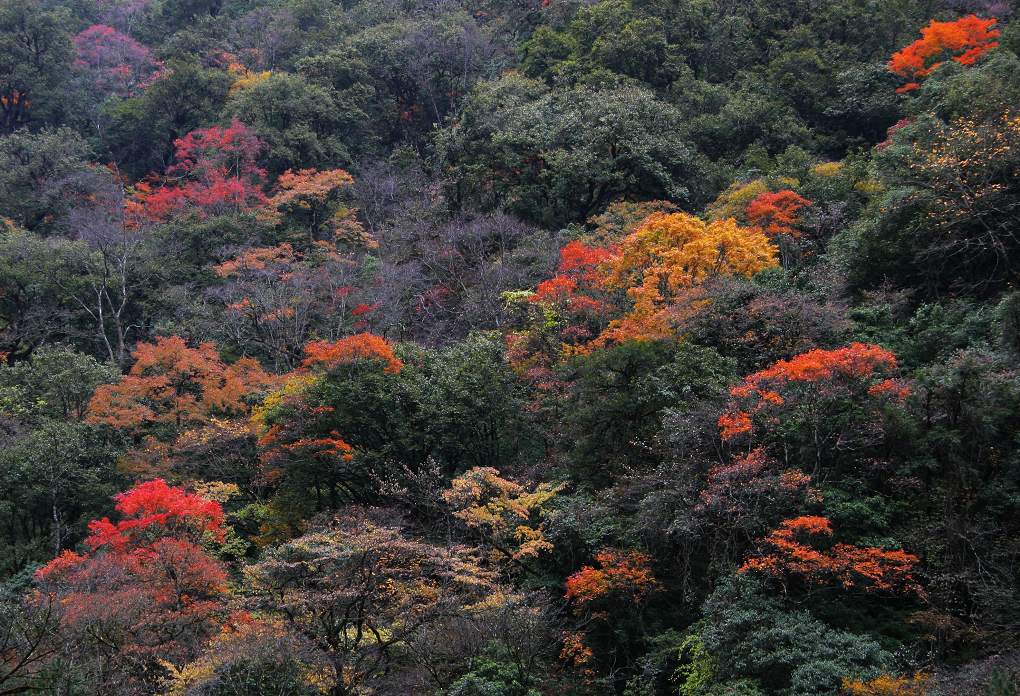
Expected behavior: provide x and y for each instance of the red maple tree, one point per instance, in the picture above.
(146, 592)
(215, 170)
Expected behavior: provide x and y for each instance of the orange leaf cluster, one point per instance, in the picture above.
(256, 259)
(887, 685)
(307, 187)
(789, 552)
(626, 573)
(326, 447)
(777, 213)
(578, 272)
(172, 383)
(363, 346)
(964, 40)
(763, 389)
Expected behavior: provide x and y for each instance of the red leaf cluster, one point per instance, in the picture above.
(215, 171)
(146, 591)
(777, 213)
(154, 509)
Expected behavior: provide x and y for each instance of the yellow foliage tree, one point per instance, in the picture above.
(506, 513)
(667, 255)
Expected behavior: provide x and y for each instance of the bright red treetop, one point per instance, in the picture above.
(791, 550)
(363, 346)
(147, 592)
(215, 171)
(578, 256)
(964, 40)
(152, 510)
(579, 266)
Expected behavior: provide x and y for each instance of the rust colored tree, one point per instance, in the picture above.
(311, 200)
(620, 575)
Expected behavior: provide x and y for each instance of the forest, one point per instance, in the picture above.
(510, 347)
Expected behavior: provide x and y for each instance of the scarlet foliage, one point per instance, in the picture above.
(577, 256)
(577, 279)
(215, 171)
(964, 40)
(777, 213)
(858, 363)
(146, 591)
(154, 509)
(172, 383)
(363, 346)
(626, 574)
(788, 551)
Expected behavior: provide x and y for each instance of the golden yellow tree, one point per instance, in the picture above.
(667, 255)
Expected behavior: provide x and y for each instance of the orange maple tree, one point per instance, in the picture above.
(667, 255)
(964, 40)
(621, 573)
(576, 289)
(363, 346)
(170, 382)
(794, 549)
(777, 213)
(816, 375)
(311, 199)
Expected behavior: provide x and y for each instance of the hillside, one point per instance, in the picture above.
(509, 347)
